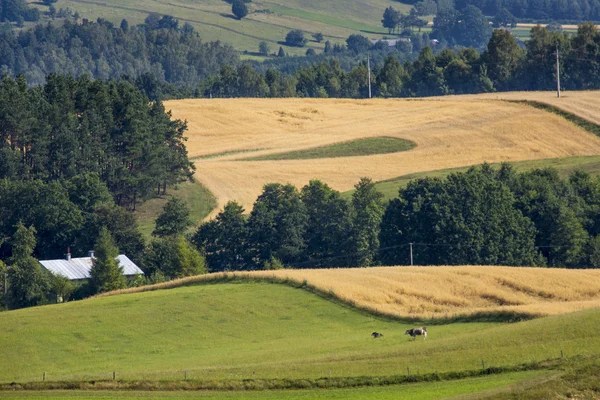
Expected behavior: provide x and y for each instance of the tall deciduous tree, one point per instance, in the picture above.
(276, 225)
(174, 219)
(239, 9)
(329, 226)
(27, 283)
(106, 273)
(367, 211)
(225, 239)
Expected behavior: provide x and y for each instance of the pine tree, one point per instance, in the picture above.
(106, 274)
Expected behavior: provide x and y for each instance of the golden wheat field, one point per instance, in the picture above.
(439, 292)
(585, 104)
(447, 133)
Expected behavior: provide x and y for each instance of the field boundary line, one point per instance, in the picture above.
(283, 383)
(330, 295)
(583, 123)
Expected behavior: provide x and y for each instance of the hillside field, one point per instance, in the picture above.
(447, 134)
(268, 20)
(436, 293)
(246, 330)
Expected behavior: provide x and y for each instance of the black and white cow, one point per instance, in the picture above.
(414, 332)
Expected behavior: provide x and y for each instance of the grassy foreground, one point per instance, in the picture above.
(354, 148)
(251, 330)
(425, 391)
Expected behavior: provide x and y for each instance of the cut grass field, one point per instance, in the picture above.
(416, 391)
(199, 200)
(235, 331)
(355, 148)
(448, 134)
(268, 20)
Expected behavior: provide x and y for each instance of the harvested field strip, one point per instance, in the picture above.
(440, 294)
(448, 134)
(355, 148)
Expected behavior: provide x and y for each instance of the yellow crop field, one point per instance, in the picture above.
(441, 292)
(585, 104)
(448, 133)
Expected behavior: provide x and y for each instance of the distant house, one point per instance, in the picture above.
(390, 42)
(78, 269)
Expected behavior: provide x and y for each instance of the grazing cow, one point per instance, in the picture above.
(414, 332)
(376, 335)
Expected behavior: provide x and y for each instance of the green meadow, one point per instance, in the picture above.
(355, 148)
(234, 331)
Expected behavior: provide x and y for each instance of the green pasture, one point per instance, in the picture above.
(234, 331)
(268, 20)
(355, 148)
(415, 391)
(198, 198)
(564, 166)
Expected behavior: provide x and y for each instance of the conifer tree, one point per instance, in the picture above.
(106, 274)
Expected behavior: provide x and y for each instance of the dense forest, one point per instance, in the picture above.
(485, 216)
(99, 49)
(75, 156)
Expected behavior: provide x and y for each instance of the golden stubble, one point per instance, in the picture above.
(448, 134)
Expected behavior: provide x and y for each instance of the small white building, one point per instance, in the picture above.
(77, 269)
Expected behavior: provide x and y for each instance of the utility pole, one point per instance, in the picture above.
(411, 255)
(557, 73)
(369, 68)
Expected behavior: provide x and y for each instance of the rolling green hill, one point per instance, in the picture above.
(268, 20)
(260, 330)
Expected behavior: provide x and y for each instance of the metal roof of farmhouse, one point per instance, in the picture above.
(79, 268)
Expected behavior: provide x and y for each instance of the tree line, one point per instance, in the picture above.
(485, 216)
(160, 46)
(504, 65)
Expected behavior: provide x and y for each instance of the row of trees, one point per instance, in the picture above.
(314, 227)
(504, 65)
(485, 216)
(160, 46)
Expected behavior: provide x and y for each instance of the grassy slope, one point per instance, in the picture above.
(212, 18)
(565, 166)
(235, 331)
(355, 148)
(198, 198)
(418, 391)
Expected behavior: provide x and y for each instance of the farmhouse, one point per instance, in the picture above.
(77, 269)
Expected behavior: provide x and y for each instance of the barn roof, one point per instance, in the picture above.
(79, 268)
